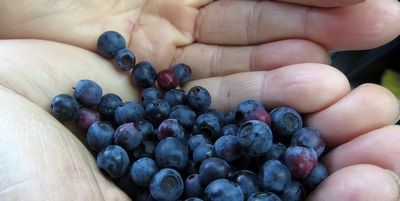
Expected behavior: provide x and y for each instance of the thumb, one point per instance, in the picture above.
(358, 182)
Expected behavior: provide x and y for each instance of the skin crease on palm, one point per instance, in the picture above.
(272, 51)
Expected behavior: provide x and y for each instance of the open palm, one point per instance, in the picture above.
(237, 49)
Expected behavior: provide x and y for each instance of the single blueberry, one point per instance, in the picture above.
(64, 107)
(193, 186)
(86, 117)
(184, 114)
(99, 135)
(285, 121)
(228, 147)
(109, 43)
(128, 112)
(142, 170)
(88, 92)
(166, 185)
(124, 59)
(255, 136)
(202, 152)
(229, 129)
(114, 160)
(146, 128)
(107, 105)
(309, 137)
(144, 74)
(157, 111)
(247, 181)
(295, 192)
(175, 97)
(170, 128)
(167, 79)
(198, 98)
(213, 168)
(196, 140)
(274, 176)
(150, 94)
(171, 153)
(300, 160)
(223, 190)
(208, 125)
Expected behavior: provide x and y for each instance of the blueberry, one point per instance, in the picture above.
(109, 43)
(128, 136)
(64, 107)
(198, 98)
(157, 111)
(107, 105)
(170, 128)
(167, 79)
(229, 129)
(128, 112)
(150, 94)
(285, 121)
(255, 137)
(166, 185)
(88, 92)
(208, 125)
(309, 137)
(86, 117)
(295, 192)
(264, 196)
(251, 110)
(193, 186)
(99, 135)
(223, 190)
(300, 160)
(247, 181)
(277, 152)
(196, 140)
(213, 168)
(175, 97)
(146, 128)
(124, 59)
(319, 174)
(193, 199)
(274, 176)
(185, 115)
(144, 74)
(183, 72)
(217, 113)
(171, 153)
(114, 160)
(228, 147)
(142, 170)
(202, 152)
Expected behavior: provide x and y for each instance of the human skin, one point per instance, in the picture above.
(276, 52)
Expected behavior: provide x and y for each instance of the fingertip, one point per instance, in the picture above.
(358, 182)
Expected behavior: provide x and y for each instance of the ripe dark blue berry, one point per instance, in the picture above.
(295, 192)
(144, 74)
(157, 111)
(229, 129)
(128, 112)
(202, 152)
(124, 59)
(171, 153)
(208, 125)
(175, 97)
(100, 135)
(213, 168)
(285, 121)
(183, 72)
(196, 140)
(64, 107)
(255, 137)
(142, 170)
(149, 95)
(107, 105)
(109, 43)
(198, 98)
(223, 190)
(247, 181)
(274, 176)
(193, 186)
(228, 147)
(167, 79)
(309, 137)
(185, 116)
(88, 92)
(319, 174)
(166, 185)
(114, 160)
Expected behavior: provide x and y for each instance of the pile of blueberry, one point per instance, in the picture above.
(173, 146)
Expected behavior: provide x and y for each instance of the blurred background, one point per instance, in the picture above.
(380, 65)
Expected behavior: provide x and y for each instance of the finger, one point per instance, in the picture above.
(50, 68)
(41, 160)
(366, 108)
(254, 22)
(378, 147)
(213, 60)
(292, 86)
(359, 182)
(317, 3)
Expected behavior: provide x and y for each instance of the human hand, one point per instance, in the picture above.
(47, 161)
